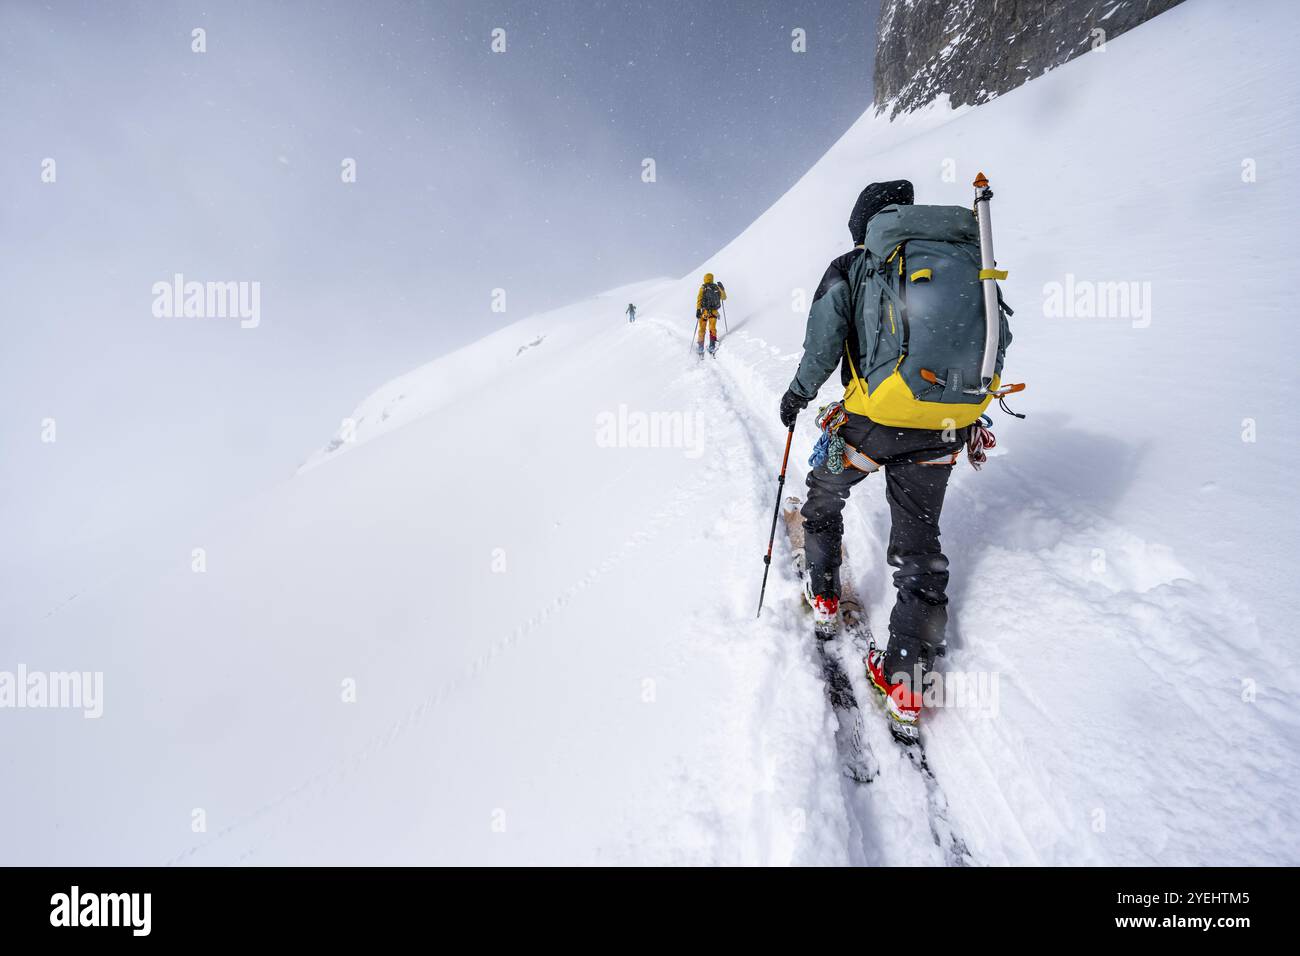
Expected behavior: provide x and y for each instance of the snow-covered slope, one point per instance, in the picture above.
(549, 624)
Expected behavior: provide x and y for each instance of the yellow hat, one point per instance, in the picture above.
(708, 277)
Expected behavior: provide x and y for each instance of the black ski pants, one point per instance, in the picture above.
(917, 464)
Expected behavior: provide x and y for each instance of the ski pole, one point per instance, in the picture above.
(725, 326)
(780, 486)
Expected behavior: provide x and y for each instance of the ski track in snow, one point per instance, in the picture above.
(904, 806)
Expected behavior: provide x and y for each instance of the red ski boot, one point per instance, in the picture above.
(902, 704)
(826, 612)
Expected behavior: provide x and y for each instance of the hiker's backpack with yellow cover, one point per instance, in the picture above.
(919, 310)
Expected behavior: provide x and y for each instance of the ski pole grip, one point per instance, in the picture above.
(785, 456)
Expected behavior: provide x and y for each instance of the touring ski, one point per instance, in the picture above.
(852, 640)
(853, 739)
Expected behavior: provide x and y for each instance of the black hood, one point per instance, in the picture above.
(875, 198)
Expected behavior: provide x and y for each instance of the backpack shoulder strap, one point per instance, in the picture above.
(853, 371)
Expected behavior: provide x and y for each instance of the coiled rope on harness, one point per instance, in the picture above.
(980, 439)
(829, 449)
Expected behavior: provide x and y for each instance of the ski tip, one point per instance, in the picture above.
(909, 735)
(791, 504)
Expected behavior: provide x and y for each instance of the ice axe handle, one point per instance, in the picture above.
(992, 318)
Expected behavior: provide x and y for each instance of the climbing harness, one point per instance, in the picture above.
(831, 449)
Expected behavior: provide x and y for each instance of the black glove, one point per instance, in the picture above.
(697, 313)
(791, 406)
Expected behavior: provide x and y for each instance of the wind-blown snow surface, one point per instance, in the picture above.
(552, 634)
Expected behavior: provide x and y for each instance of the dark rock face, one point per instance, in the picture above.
(975, 50)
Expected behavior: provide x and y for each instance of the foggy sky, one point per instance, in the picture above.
(475, 171)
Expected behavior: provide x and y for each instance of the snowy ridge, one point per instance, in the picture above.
(550, 631)
(433, 385)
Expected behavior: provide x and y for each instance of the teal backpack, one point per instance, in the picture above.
(919, 306)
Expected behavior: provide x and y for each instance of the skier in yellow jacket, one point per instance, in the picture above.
(707, 302)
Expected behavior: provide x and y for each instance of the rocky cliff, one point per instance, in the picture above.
(974, 50)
